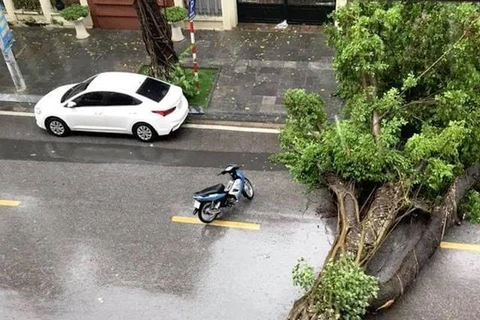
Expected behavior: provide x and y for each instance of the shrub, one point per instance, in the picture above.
(175, 14)
(303, 275)
(471, 207)
(345, 290)
(74, 12)
(179, 76)
(183, 77)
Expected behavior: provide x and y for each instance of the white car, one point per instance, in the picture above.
(115, 102)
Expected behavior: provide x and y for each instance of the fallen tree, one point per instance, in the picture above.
(406, 149)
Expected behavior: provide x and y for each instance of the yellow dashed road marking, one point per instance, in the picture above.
(460, 246)
(9, 203)
(218, 223)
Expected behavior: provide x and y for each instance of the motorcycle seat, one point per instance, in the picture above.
(219, 188)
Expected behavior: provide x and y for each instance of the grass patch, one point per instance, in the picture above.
(207, 78)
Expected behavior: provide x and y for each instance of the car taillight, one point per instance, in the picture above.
(164, 113)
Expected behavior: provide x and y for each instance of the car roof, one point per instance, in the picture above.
(124, 82)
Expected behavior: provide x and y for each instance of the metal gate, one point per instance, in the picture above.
(294, 11)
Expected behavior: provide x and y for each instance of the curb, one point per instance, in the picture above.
(242, 124)
(25, 103)
(192, 118)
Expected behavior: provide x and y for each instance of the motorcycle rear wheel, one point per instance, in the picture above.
(205, 213)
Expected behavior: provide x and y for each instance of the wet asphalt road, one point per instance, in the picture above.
(93, 237)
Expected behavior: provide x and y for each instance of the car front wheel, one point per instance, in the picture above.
(57, 127)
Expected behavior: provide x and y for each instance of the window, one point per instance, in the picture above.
(120, 99)
(79, 88)
(91, 99)
(153, 89)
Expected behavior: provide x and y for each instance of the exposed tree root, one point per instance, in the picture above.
(363, 237)
(443, 217)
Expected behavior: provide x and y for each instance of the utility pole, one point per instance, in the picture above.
(192, 12)
(6, 41)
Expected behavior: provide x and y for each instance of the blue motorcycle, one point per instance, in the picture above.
(209, 202)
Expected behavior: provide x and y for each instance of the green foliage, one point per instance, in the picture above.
(303, 275)
(306, 110)
(183, 77)
(409, 75)
(28, 5)
(471, 207)
(345, 290)
(299, 141)
(74, 12)
(175, 14)
(438, 150)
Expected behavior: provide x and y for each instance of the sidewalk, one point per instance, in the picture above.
(257, 65)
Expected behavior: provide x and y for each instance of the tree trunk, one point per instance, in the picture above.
(157, 37)
(364, 237)
(441, 219)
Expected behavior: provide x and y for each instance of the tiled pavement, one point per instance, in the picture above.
(257, 67)
(257, 64)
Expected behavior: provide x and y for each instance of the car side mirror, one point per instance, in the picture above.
(71, 104)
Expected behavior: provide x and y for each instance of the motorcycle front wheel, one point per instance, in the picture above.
(207, 213)
(248, 190)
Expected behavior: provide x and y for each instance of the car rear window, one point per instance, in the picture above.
(153, 89)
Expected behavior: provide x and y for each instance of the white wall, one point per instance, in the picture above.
(229, 14)
(10, 10)
(49, 13)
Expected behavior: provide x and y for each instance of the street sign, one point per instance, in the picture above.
(6, 36)
(6, 41)
(192, 9)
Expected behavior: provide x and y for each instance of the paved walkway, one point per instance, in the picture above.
(257, 65)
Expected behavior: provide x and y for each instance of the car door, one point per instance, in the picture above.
(87, 113)
(120, 111)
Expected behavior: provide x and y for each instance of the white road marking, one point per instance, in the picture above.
(186, 125)
(11, 97)
(17, 114)
(230, 128)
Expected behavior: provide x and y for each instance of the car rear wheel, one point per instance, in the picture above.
(144, 132)
(57, 127)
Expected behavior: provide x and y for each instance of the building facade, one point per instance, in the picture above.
(211, 14)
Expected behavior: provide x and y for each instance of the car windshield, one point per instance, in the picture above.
(153, 89)
(82, 86)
